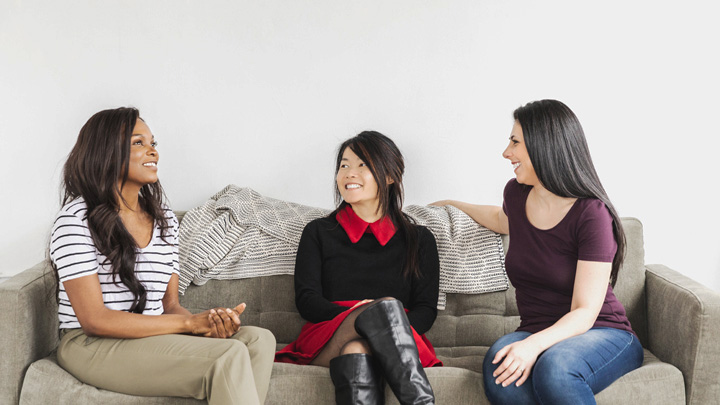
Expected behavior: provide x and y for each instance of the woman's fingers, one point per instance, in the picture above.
(234, 317)
(228, 326)
(524, 374)
(214, 323)
(363, 302)
(219, 317)
(511, 372)
(240, 309)
(500, 354)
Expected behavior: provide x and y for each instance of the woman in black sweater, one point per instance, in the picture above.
(357, 272)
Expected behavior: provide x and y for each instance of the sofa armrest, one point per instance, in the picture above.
(28, 315)
(684, 330)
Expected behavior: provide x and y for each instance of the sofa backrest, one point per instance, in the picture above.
(468, 320)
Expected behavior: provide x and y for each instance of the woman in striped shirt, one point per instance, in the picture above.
(114, 246)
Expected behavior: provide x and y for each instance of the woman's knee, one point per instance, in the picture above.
(356, 346)
(556, 371)
(254, 336)
(498, 345)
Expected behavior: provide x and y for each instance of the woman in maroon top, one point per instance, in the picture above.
(567, 245)
(348, 266)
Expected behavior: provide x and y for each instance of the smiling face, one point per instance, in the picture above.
(517, 154)
(356, 183)
(144, 157)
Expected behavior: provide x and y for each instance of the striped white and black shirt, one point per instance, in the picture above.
(75, 255)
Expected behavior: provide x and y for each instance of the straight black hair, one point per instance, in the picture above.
(385, 161)
(559, 153)
(96, 170)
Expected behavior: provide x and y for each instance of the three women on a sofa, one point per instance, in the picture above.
(565, 230)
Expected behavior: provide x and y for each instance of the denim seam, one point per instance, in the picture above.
(537, 397)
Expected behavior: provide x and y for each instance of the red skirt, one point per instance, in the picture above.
(314, 336)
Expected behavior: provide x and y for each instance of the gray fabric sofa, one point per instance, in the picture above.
(677, 320)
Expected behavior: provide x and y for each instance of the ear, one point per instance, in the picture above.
(389, 181)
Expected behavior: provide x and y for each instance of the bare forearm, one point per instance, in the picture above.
(575, 322)
(176, 309)
(120, 324)
(489, 216)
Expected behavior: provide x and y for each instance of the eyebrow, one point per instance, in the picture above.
(133, 135)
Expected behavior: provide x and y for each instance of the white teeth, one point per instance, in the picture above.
(516, 165)
(351, 186)
(150, 164)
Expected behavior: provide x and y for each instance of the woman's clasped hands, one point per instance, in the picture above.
(217, 322)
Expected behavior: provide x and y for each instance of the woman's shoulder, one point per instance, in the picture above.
(514, 197)
(424, 233)
(514, 187)
(167, 212)
(76, 207)
(72, 214)
(70, 228)
(592, 209)
(322, 224)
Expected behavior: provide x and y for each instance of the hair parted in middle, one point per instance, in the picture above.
(385, 162)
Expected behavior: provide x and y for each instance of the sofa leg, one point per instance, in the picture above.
(357, 379)
(385, 326)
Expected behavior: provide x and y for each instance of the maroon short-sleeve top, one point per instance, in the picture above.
(541, 264)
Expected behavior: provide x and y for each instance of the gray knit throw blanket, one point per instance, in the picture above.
(239, 233)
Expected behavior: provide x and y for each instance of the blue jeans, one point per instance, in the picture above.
(571, 371)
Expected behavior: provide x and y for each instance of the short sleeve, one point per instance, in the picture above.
(596, 241)
(71, 247)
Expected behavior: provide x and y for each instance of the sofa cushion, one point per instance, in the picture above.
(655, 382)
(48, 383)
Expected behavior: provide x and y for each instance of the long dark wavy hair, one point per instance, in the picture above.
(385, 161)
(560, 155)
(96, 170)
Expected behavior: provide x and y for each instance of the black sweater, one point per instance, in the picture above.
(329, 267)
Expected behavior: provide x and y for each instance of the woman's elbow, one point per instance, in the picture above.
(90, 329)
(95, 326)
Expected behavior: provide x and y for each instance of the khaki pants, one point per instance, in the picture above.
(225, 371)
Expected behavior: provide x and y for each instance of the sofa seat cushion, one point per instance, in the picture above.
(653, 383)
(457, 383)
(48, 383)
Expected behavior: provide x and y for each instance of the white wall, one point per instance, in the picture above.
(260, 94)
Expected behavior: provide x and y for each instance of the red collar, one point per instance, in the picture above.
(355, 226)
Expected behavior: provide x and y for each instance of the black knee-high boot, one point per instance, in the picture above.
(387, 330)
(358, 380)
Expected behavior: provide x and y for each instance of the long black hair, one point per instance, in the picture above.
(96, 170)
(385, 161)
(560, 155)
